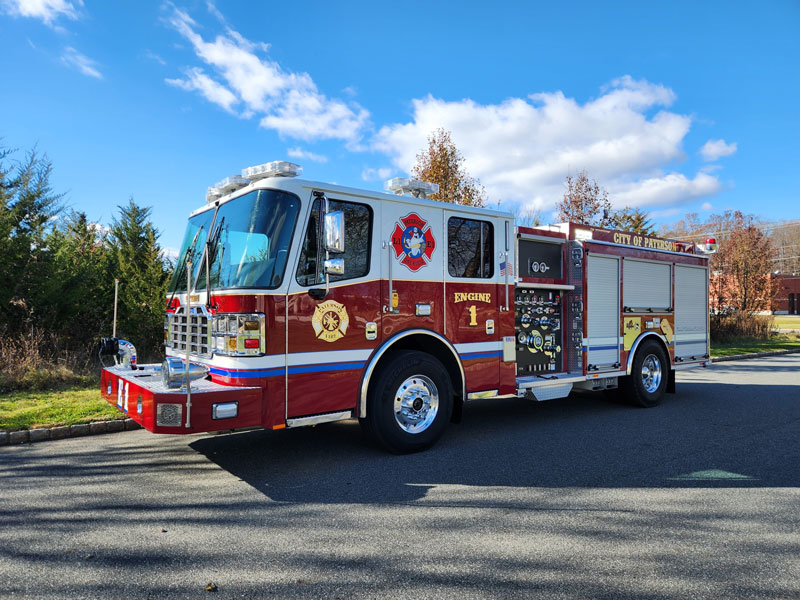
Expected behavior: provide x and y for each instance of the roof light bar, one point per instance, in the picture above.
(276, 168)
(415, 187)
(231, 184)
(213, 194)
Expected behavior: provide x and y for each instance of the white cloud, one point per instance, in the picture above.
(707, 206)
(155, 57)
(305, 154)
(47, 11)
(714, 149)
(522, 148)
(211, 90)
(668, 190)
(287, 102)
(81, 62)
(379, 174)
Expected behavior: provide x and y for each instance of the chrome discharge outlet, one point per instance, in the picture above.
(173, 372)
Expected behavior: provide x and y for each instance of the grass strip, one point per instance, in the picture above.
(749, 345)
(786, 321)
(50, 408)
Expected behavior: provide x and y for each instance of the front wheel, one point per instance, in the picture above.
(647, 383)
(411, 402)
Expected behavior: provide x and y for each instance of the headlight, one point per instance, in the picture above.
(239, 335)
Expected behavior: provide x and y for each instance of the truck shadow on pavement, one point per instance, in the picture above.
(707, 435)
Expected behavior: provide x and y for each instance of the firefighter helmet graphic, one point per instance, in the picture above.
(413, 242)
(330, 321)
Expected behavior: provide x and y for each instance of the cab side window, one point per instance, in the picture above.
(357, 243)
(470, 248)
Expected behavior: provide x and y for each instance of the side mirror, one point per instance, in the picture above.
(334, 231)
(334, 266)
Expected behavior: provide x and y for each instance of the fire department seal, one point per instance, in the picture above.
(330, 321)
(413, 242)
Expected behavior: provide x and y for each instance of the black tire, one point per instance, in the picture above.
(647, 383)
(410, 404)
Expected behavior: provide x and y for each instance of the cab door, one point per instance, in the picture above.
(331, 335)
(473, 290)
(412, 263)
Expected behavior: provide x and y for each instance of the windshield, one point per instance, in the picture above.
(249, 242)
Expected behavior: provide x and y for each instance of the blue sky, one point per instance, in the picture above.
(672, 106)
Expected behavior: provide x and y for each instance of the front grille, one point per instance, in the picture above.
(195, 333)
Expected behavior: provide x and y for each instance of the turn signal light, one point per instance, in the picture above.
(238, 334)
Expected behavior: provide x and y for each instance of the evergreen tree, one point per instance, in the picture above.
(137, 261)
(75, 301)
(630, 219)
(27, 204)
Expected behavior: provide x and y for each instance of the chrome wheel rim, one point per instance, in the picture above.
(651, 373)
(416, 403)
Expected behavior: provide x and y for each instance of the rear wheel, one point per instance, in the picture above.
(411, 402)
(647, 383)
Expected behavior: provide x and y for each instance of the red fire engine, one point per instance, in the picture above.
(296, 303)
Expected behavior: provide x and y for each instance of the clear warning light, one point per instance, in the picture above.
(276, 168)
(415, 187)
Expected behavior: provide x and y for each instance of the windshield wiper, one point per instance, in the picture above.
(211, 255)
(181, 271)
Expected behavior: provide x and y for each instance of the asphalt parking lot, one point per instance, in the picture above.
(574, 498)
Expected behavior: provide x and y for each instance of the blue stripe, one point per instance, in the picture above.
(247, 374)
(328, 367)
(474, 355)
(277, 372)
(585, 348)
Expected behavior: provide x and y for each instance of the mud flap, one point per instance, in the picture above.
(671, 382)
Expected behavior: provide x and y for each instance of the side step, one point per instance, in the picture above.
(547, 388)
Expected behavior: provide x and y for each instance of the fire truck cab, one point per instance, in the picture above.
(297, 302)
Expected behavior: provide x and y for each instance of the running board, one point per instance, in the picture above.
(318, 419)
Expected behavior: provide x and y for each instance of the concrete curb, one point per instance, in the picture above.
(59, 433)
(753, 355)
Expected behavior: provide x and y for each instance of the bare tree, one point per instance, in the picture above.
(785, 237)
(527, 217)
(584, 202)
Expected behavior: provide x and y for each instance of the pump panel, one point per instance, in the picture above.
(538, 320)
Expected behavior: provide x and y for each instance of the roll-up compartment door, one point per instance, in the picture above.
(602, 316)
(691, 311)
(646, 285)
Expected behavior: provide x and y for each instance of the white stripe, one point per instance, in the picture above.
(274, 361)
(328, 356)
(602, 341)
(478, 347)
(247, 362)
(690, 337)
